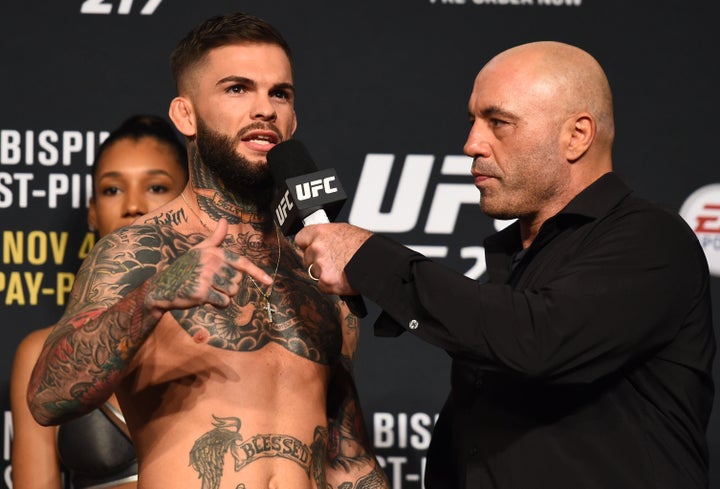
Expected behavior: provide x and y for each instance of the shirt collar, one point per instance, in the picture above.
(593, 202)
(598, 198)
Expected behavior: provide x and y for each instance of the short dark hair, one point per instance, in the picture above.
(145, 126)
(222, 30)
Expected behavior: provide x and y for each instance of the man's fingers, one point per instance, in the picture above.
(247, 267)
(226, 280)
(305, 236)
(217, 298)
(218, 235)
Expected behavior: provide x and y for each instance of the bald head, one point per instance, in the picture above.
(562, 75)
(542, 130)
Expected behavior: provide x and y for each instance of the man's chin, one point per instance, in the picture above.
(497, 213)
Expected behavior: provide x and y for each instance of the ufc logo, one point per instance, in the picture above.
(283, 208)
(309, 190)
(411, 190)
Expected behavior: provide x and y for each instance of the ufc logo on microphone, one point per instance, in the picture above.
(310, 190)
(284, 206)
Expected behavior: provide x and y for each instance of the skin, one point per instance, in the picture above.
(132, 177)
(215, 394)
(528, 161)
(541, 132)
(228, 101)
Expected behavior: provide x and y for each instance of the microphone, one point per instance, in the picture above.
(305, 196)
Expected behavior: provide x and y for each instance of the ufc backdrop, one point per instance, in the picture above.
(382, 91)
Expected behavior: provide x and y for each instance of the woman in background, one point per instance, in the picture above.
(139, 167)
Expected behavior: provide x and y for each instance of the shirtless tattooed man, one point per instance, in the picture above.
(232, 369)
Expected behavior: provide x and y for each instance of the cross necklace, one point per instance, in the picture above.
(265, 301)
(266, 297)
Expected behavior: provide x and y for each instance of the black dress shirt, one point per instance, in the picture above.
(586, 365)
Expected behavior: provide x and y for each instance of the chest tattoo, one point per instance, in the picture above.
(298, 317)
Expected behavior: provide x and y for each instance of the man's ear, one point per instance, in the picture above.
(183, 116)
(295, 123)
(581, 130)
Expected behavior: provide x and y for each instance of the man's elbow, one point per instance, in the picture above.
(43, 415)
(40, 415)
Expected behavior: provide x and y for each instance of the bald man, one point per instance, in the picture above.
(585, 359)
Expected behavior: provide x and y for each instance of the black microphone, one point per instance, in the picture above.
(305, 196)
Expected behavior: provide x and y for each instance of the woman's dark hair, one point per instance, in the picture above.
(145, 126)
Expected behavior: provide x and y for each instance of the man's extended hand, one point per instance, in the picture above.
(328, 248)
(206, 274)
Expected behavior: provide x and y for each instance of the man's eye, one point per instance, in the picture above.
(281, 94)
(497, 123)
(110, 191)
(236, 89)
(158, 189)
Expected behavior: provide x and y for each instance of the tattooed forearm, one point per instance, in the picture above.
(348, 440)
(348, 443)
(105, 323)
(352, 321)
(349, 450)
(83, 358)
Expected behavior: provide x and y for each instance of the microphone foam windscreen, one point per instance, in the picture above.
(289, 159)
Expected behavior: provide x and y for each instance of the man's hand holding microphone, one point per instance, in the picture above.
(305, 197)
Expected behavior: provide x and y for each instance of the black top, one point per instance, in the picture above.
(587, 365)
(96, 452)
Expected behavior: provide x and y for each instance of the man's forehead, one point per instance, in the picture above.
(509, 84)
(251, 51)
(245, 59)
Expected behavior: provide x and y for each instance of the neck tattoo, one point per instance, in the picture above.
(182, 194)
(265, 302)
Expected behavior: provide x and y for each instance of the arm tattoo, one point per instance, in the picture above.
(105, 323)
(348, 443)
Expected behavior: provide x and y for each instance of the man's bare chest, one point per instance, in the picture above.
(291, 314)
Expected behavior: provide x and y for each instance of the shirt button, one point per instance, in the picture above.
(474, 450)
(413, 324)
